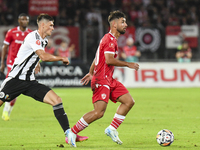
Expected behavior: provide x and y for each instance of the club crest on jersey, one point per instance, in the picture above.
(103, 96)
(38, 42)
(112, 45)
(2, 94)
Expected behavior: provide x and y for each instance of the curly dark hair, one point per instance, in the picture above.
(116, 15)
(22, 15)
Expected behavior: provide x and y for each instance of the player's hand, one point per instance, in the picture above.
(133, 66)
(65, 60)
(86, 79)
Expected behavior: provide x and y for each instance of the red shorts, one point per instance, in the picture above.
(106, 92)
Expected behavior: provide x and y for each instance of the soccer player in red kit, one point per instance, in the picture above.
(103, 85)
(13, 40)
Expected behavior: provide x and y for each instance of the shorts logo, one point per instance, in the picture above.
(97, 85)
(38, 42)
(103, 95)
(2, 94)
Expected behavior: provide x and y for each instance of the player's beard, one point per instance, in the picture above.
(121, 31)
(24, 27)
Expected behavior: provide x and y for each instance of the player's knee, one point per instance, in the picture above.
(58, 100)
(99, 115)
(130, 103)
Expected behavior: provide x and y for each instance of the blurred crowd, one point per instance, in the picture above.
(84, 12)
(91, 16)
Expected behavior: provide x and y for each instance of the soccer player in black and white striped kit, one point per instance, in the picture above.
(21, 79)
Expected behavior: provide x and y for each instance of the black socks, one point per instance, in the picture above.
(61, 116)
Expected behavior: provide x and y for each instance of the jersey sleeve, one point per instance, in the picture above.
(8, 37)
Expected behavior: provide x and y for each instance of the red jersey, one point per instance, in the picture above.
(14, 38)
(102, 71)
(130, 51)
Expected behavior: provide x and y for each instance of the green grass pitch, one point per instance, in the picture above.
(34, 127)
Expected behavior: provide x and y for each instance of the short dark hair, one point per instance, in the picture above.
(116, 15)
(22, 15)
(44, 16)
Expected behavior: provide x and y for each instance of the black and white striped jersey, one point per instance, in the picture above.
(26, 60)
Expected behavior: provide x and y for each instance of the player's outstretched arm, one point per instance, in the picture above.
(49, 58)
(110, 60)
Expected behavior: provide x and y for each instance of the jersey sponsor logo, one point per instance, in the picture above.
(18, 41)
(38, 42)
(103, 96)
(2, 94)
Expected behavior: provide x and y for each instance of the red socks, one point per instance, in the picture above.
(117, 120)
(79, 126)
(82, 124)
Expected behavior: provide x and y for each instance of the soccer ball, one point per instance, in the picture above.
(165, 137)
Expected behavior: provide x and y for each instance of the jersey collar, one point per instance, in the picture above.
(18, 28)
(40, 36)
(112, 35)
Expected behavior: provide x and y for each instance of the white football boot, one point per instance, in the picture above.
(113, 134)
(71, 138)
